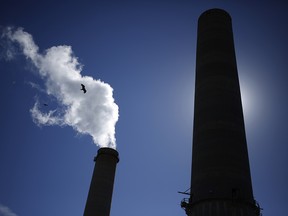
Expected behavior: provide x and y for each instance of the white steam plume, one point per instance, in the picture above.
(5, 211)
(94, 113)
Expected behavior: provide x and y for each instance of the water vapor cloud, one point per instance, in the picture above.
(94, 113)
(5, 211)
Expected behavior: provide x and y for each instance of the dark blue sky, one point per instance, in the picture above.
(146, 51)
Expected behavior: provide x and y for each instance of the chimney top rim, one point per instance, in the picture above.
(213, 12)
(107, 151)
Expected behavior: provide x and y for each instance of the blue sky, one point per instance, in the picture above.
(146, 51)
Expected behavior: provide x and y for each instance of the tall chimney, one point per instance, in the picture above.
(221, 180)
(101, 188)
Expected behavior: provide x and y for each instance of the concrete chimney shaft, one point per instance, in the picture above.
(220, 181)
(101, 187)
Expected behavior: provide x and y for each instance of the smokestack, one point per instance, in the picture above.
(101, 187)
(220, 181)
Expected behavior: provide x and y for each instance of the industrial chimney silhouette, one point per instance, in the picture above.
(220, 180)
(101, 187)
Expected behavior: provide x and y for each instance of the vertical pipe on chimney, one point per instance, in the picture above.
(101, 188)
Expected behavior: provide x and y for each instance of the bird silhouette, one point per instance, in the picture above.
(44, 104)
(83, 88)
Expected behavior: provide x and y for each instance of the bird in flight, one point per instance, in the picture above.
(44, 104)
(83, 88)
